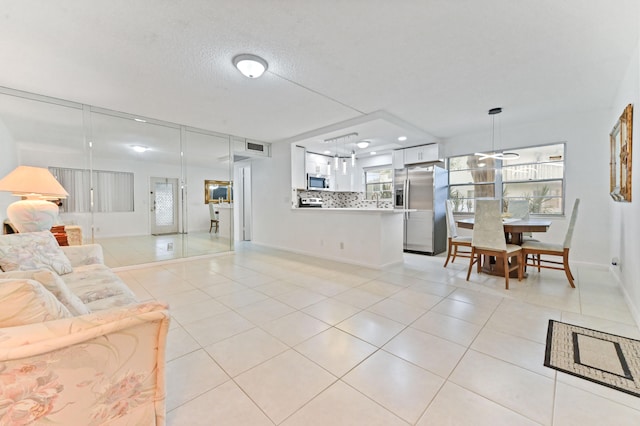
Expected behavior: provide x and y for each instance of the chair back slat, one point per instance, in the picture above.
(572, 224)
(519, 209)
(452, 231)
(488, 230)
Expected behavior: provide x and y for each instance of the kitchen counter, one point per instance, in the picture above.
(354, 209)
(371, 237)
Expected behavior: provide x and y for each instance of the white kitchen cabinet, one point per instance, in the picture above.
(343, 182)
(398, 159)
(317, 164)
(421, 154)
(298, 174)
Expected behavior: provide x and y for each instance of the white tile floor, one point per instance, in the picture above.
(264, 337)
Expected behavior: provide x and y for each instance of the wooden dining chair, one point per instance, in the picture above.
(519, 209)
(455, 241)
(538, 249)
(489, 240)
(214, 216)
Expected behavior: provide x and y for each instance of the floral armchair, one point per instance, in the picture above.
(101, 368)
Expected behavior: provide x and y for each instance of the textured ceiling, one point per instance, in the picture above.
(436, 64)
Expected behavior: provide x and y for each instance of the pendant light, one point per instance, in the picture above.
(329, 167)
(353, 158)
(498, 156)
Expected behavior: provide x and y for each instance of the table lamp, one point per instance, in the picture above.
(35, 185)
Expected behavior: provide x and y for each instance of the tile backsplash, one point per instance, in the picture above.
(341, 200)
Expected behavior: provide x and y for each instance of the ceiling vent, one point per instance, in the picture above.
(255, 147)
(250, 148)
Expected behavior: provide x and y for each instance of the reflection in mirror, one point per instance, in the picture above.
(43, 134)
(95, 148)
(152, 231)
(218, 191)
(206, 156)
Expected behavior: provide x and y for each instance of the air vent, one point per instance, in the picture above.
(255, 147)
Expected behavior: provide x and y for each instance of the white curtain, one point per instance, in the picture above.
(112, 191)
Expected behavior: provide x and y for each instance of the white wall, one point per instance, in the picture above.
(8, 162)
(586, 174)
(624, 238)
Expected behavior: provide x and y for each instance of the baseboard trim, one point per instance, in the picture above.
(321, 256)
(635, 312)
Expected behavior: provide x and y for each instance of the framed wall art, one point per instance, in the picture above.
(620, 164)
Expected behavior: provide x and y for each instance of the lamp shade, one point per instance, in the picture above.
(34, 183)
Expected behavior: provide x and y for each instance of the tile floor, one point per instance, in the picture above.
(265, 337)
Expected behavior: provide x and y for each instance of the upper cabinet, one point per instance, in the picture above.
(397, 158)
(317, 164)
(420, 154)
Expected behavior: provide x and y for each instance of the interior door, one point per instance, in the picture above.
(164, 205)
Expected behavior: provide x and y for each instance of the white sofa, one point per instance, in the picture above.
(76, 347)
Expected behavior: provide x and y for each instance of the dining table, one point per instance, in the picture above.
(514, 229)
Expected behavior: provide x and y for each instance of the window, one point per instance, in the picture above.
(379, 180)
(536, 176)
(112, 191)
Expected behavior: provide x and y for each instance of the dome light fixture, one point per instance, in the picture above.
(249, 65)
(363, 144)
(402, 138)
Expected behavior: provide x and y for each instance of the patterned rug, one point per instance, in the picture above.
(604, 358)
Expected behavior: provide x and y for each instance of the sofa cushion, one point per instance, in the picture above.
(55, 284)
(99, 288)
(32, 250)
(27, 302)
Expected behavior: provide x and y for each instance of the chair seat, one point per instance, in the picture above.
(528, 239)
(511, 248)
(461, 240)
(539, 245)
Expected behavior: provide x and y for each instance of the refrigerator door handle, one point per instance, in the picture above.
(407, 185)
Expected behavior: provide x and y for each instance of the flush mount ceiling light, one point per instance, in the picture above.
(501, 155)
(402, 138)
(251, 66)
(139, 148)
(363, 144)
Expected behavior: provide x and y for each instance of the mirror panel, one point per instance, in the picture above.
(93, 147)
(152, 231)
(206, 158)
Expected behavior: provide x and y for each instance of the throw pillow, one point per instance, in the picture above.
(32, 250)
(56, 285)
(28, 302)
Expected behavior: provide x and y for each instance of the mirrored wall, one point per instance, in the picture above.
(135, 184)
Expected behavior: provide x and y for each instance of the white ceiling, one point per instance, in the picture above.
(434, 66)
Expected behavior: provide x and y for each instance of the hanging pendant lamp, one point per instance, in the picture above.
(501, 155)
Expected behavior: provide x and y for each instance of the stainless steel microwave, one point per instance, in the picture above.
(315, 183)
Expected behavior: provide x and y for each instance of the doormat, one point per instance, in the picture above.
(604, 358)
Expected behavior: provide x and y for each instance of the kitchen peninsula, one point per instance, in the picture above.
(365, 236)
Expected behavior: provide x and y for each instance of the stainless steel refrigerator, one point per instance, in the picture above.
(424, 188)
